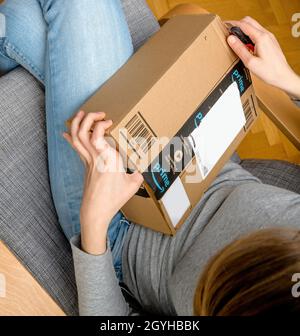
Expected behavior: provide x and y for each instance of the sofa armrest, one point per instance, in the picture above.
(279, 107)
(275, 103)
(183, 9)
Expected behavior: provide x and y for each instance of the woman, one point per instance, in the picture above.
(73, 49)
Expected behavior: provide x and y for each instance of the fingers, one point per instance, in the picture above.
(80, 138)
(136, 179)
(99, 142)
(254, 23)
(253, 32)
(68, 138)
(90, 144)
(84, 133)
(249, 20)
(98, 139)
(266, 32)
(242, 51)
(77, 145)
(109, 159)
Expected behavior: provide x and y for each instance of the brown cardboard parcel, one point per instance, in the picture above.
(165, 91)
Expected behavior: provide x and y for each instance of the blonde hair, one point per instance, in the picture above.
(251, 276)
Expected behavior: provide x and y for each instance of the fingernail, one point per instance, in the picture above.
(232, 39)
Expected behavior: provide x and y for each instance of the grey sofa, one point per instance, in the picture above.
(28, 221)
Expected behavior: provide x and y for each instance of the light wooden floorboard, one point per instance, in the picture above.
(20, 294)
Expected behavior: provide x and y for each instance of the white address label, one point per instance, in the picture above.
(176, 201)
(218, 129)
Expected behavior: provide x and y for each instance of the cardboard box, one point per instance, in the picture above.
(175, 83)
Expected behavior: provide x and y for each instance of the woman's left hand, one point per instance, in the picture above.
(268, 62)
(107, 186)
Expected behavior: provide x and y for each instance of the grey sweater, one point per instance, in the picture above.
(161, 271)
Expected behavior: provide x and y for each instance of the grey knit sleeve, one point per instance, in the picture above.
(99, 293)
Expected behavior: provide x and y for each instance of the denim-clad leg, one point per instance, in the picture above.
(22, 37)
(72, 47)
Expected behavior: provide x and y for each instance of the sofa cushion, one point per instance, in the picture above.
(28, 221)
(141, 21)
(280, 174)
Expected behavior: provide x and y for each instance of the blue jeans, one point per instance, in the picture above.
(72, 47)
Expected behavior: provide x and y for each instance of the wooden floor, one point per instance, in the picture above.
(23, 295)
(264, 140)
(20, 294)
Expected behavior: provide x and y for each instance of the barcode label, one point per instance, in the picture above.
(141, 136)
(248, 110)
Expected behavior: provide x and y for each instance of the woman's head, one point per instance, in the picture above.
(252, 276)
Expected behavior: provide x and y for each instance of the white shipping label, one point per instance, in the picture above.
(218, 129)
(176, 201)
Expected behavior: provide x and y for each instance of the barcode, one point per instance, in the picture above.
(248, 110)
(142, 138)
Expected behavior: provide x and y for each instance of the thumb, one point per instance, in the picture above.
(241, 50)
(136, 179)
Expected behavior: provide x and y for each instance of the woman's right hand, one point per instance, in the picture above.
(107, 185)
(268, 62)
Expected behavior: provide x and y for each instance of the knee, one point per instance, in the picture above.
(87, 10)
(67, 6)
(6, 64)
